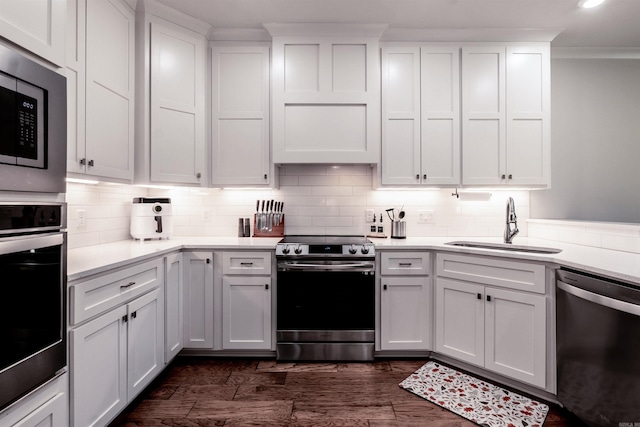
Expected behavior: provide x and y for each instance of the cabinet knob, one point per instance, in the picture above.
(124, 319)
(208, 261)
(504, 176)
(384, 287)
(479, 295)
(90, 162)
(489, 298)
(198, 175)
(266, 286)
(265, 176)
(134, 314)
(83, 161)
(510, 176)
(424, 176)
(417, 176)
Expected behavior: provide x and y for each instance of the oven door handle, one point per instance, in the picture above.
(21, 244)
(309, 266)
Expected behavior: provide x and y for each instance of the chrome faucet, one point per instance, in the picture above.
(510, 233)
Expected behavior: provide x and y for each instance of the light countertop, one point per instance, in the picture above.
(86, 261)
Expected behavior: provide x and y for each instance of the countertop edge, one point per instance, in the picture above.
(88, 261)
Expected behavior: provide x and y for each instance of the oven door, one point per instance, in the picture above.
(326, 295)
(32, 308)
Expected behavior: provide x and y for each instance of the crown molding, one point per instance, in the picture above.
(595, 52)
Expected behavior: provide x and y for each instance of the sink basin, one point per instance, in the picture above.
(506, 247)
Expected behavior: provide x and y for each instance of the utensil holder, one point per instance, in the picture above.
(276, 231)
(398, 230)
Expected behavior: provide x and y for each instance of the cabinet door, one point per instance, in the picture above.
(110, 89)
(401, 116)
(440, 115)
(145, 343)
(528, 115)
(483, 115)
(38, 26)
(404, 313)
(174, 305)
(460, 320)
(52, 414)
(177, 105)
(515, 333)
(240, 115)
(246, 312)
(98, 366)
(198, 299)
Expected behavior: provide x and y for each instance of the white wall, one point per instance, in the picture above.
(318, 200)
(595, 134)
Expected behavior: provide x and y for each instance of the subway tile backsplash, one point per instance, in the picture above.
(318, 199)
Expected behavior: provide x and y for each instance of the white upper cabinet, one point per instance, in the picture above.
(38, 26)
(240, 116)
(170, 142)
(420, 116)
(326, 95)
(100, 89)
(506, 115)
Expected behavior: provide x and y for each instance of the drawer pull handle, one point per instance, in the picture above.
(489, 298)
(384, 287)
(479, 295)
(247, 264)
(124, 319)
(404, 264)
(134, 314)
(266, 286)
(128, 285)
(208, 261)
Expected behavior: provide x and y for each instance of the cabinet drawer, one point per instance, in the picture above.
(495, 272)
(246, 263)
(405, 263)
(92, 297)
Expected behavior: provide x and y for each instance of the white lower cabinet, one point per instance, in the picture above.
(246, 301)
(501, 330)
(113, 358)
(48, 406)
(405, 301)
(198, 299)
(404, 312)
(173, 306)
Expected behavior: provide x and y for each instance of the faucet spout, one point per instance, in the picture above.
(511, 228)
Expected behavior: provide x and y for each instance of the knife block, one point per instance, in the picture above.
(277, 230)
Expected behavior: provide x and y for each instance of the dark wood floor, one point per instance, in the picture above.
(207, 392)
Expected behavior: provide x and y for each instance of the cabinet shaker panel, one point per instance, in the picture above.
(349, 68)
(301, 67)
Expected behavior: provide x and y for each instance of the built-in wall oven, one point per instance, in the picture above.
(32, 302)
(33, 125)
(325, 298)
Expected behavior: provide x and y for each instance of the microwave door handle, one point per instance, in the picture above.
(158, 219)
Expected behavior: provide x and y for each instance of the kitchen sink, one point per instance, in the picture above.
(506, 247)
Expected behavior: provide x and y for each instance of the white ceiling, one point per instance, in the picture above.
(616, 23)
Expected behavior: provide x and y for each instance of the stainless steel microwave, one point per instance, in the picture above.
(33, 125)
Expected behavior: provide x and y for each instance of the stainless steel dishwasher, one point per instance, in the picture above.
(598, 348)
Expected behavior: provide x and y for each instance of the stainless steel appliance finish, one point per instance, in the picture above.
(326, 298)
(598, 334)
(32, 307)
(33, 125)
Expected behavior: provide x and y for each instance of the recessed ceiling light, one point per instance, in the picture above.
(588, 4)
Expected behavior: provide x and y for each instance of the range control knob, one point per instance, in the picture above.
(285, 250)
(364, 249)
(298, 250)
(352, 250)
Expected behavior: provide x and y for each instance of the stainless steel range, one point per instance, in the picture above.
(326, 298)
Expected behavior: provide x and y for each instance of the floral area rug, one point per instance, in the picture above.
(478, 401)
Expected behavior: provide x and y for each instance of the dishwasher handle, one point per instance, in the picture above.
(612, 303)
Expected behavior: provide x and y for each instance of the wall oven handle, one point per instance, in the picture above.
(21, 244)
(600, 299)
